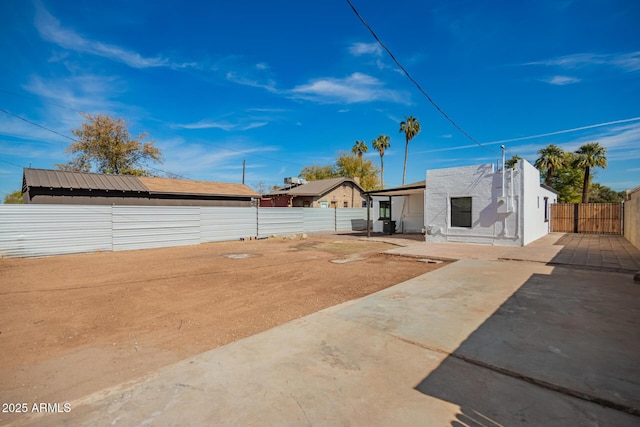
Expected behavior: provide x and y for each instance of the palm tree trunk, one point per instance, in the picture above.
(406, 152)
(382, 172)
(585, 186)
(547, 180)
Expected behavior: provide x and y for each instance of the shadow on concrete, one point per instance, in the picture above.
(562, 350)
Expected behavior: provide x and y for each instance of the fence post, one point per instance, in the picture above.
(258, 220)
(575, 217)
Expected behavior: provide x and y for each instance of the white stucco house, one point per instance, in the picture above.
(477, 204)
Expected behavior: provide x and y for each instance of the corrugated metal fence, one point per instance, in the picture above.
(41, 230)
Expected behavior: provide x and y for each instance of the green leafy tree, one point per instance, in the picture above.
(14, 197)
(567, 180)
(411, 128)
(381, 143)
(509, 164)
(359, 148)
(104, 145)
(602, 194)
(316, 173)
(551, 159)
(590, 155)
(348, 166)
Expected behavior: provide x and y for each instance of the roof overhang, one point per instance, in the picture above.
(406, 190)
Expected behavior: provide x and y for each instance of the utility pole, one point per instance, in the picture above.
(244, 164)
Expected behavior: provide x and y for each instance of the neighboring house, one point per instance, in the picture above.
(476, 204)
(80, 188)
(403, 206)
(325, 193)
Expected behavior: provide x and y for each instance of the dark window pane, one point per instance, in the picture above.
(461, 211)
(385, 207)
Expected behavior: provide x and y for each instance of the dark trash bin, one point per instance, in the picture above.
(388, 227)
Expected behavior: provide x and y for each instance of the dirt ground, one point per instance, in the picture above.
(75, 324)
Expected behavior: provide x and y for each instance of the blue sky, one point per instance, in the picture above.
(288, 84)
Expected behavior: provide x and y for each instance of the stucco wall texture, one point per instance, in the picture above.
(632, 217)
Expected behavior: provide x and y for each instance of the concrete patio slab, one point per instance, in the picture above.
(477, 342)
(593, 251)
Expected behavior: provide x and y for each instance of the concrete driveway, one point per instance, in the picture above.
(480, 342)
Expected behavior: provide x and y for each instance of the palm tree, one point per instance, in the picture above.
(551, 159)
(381, 143)
(509, 164)
(359, 148)
(411, 128)
(590, 155)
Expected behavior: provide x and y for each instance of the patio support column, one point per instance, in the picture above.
(390, 218)
(368, 215)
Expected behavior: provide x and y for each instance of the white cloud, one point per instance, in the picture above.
(562, 80)
(205, 160)
(51, 30)
(359, 49)
(250, 118)
(85, 92)
(627, 61)
(357, 87)
(234, 77)
(224, 125)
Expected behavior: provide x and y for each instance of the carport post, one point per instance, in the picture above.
(368, 215)
(390, 218)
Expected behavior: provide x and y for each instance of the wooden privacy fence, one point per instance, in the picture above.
(592, 218)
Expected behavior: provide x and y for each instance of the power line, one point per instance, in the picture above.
(36, 124)
(81, 112)
(65, 136)
(150, 167)
(41, 100)
(9, 163)
(416, 84)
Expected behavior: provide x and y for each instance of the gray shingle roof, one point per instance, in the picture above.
(315, 188)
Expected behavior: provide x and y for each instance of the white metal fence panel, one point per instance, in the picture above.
(280, 221)
(319, 219)
(144, 227)
(219, 224)
(43, 230)
(351, 219)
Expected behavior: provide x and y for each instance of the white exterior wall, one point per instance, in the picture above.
(533, 222)
(516, 222)
(484, 186)
(397, 202)
(412, 213)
